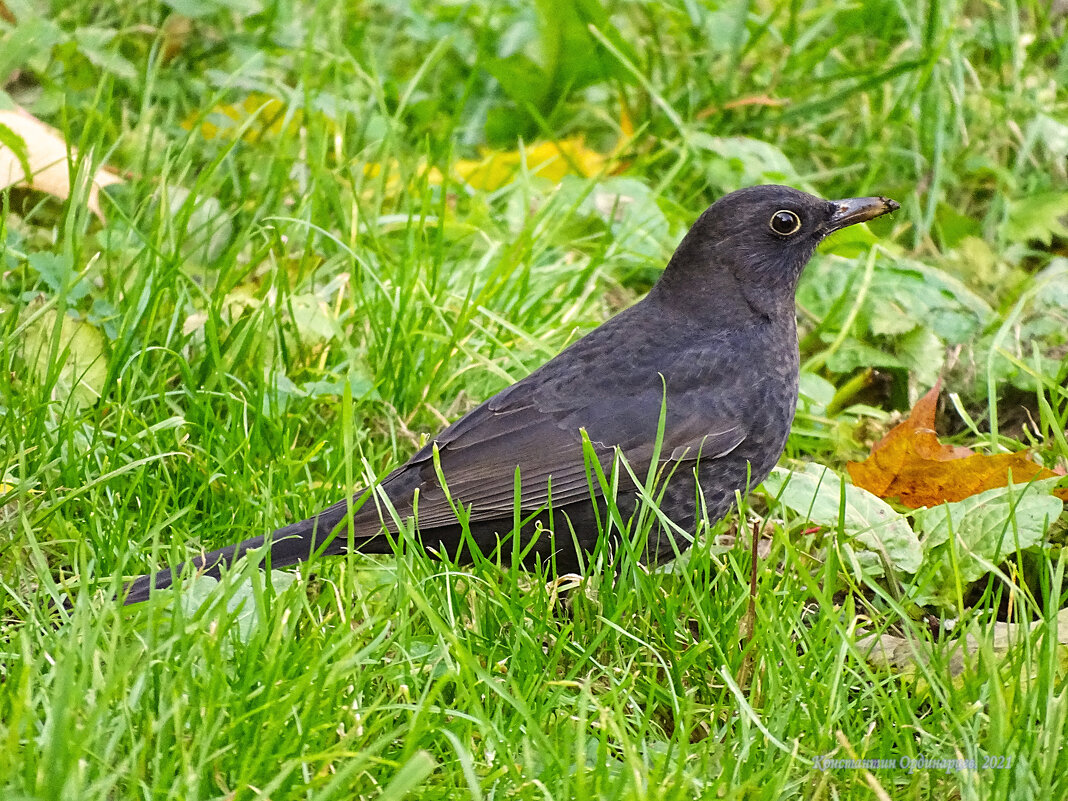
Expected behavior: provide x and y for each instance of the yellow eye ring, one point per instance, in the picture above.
(785, 222)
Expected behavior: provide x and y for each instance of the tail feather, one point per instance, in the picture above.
(288, 545)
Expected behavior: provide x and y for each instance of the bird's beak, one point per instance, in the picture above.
(857, 210)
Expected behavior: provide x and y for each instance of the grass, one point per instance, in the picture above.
(294, 287)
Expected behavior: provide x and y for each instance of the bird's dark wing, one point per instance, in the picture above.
(540, 433)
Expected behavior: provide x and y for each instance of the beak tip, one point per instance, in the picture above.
(860, 209)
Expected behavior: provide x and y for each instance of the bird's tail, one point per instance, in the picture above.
(288, 545)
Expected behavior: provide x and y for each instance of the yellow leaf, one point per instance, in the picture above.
(45, 154)
(497, 168)
(626, 124)
(394, 182)
(551, 160)
(265, 117)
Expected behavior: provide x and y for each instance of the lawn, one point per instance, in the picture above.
(328, 229)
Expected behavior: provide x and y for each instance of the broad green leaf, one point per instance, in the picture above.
(520, 78)
(571, 54)
(1042, 326)
(639, 227)
(891, 318)
(988, 526)
(853, 353)
(195, 9)
(740, 161)
(923, 354)
(96, 45)
(903, 294)
(281, 391)
(313, 318)
(29, 43)
(199, 591)
(361, 385)
(849, 242)
(816, 493)
(56, 271)
(953, 227)
(1038, 218)
(538, 65)
(815, 393)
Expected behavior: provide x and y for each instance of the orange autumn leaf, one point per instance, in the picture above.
(910, 464)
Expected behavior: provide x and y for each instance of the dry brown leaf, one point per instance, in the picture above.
(742, 102)
(46, 156)
(902, 654)
(175, 33)
(910, 464)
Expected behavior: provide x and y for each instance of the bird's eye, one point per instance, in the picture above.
(785, 222)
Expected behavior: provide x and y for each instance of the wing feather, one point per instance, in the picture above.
(479, 459)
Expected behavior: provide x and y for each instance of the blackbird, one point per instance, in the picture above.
(710, 353)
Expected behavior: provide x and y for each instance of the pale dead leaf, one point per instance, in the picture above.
(899, 654)
(81, 355)
(45, 153)
(194, 322)
(175, 32)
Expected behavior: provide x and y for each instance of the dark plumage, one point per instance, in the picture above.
(717, 330)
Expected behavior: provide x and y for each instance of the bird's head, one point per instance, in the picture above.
(750, 247)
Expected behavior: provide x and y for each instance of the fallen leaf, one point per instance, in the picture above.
(194, 322)
(551, 160)
(912, 465)
(80, 354)
(742, 102)
(206, 227)
(175, 33)
(906, 654)
(258, 116)
(396, 181)
(817, 493)
(35, 155)
(497, 168)
(987, 528)
(626, 125)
